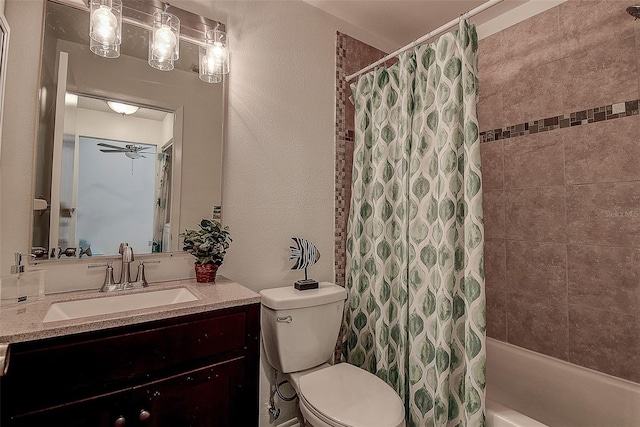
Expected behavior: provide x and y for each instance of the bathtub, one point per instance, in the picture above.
(527, 389)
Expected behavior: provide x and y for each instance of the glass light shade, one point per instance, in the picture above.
(214, 57)
(105, 27)
(164, 42)
(122, 108)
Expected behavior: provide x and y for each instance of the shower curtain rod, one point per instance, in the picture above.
(436, 32)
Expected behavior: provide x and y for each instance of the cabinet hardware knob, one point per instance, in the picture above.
(144, 415)
(120, 422)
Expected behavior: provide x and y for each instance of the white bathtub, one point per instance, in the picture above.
(527, 389)
(501, 416)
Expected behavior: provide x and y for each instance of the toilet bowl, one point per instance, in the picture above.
(299, 332)
(344, 395)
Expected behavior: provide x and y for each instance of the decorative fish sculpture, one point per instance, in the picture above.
(305, 254)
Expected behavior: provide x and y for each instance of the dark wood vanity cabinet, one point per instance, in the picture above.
(199, 370)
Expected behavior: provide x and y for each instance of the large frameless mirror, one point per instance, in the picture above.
(124, 152)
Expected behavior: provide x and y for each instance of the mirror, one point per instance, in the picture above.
(103, 177)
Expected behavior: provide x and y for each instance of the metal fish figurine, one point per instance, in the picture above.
(305, 254)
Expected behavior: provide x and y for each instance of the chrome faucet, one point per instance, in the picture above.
(125, 274)
(126, 282)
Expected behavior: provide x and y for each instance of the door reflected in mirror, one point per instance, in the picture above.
(117, 187)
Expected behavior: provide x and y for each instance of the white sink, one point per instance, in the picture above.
(115, 304)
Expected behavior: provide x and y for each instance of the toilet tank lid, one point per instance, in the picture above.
(288, 297)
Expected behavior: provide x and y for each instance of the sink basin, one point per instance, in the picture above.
(115, 304)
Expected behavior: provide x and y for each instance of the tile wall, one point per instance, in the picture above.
(561, 164)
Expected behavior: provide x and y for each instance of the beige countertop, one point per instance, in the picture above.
(24, 321)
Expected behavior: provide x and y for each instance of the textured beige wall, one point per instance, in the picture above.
(562, 208)
(1, 13)
(18, 131)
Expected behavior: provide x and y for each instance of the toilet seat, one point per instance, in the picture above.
(344, 395)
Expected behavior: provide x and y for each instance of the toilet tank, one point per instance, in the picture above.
(300, 328)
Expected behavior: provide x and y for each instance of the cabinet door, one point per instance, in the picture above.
(104, 411)
(206, 397)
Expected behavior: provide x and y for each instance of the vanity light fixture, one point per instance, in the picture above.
(105, 27)
(166, 31)
(164, 42)
(214, 56)
(121, 108)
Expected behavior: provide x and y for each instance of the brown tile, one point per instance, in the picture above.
(536, 214)
(359, 54)
(490, 52)
(490, 112)
(604, 214)
(534, 93)
(493, 207)
(540, 326)
(497, 324)
(603, 152)
(603, 75)
(494, 269)
(495, 273)
(605, 341)
(492, 165)
(490, 82)
(537, 271)
(534, 161)
(605, 277)
(532, 42)
(585, 25)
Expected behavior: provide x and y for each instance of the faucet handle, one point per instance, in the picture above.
(141, 279)
(109, 283)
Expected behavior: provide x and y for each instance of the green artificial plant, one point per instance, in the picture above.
(209, 244)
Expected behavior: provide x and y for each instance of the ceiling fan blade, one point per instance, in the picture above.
(102, 144)
(143, 148)
(113, 151)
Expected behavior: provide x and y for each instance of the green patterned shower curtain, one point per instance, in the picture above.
(416, 309)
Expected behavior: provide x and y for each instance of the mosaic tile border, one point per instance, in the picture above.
(340, 202)
(593, 115)
(340, 232)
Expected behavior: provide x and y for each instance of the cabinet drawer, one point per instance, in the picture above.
(211, 396)
(103, 363)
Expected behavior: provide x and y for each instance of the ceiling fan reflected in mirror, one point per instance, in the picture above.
(132, 151)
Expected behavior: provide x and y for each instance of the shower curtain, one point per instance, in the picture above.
(416, 310)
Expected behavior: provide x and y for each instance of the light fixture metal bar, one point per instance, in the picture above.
(140, 12)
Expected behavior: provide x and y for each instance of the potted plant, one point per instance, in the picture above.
(208, 245)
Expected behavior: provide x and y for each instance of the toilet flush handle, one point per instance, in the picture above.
(284, 319)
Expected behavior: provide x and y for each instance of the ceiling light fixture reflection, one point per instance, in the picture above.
(121, 108)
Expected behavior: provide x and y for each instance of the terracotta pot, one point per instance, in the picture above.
(206, 273)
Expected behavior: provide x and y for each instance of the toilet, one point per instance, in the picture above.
(299, 332)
